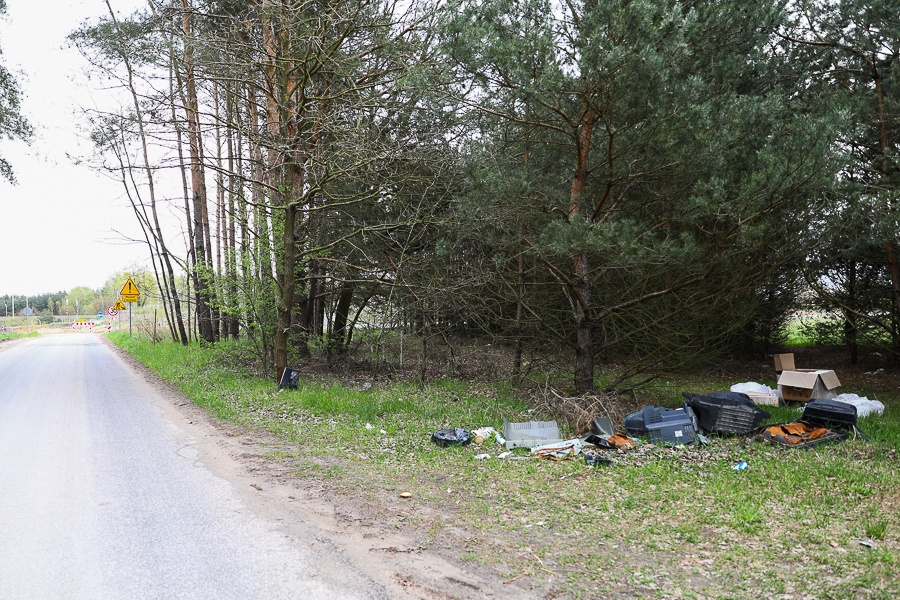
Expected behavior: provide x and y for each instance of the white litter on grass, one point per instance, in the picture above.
(756, 388)
(864, 406)
(485, 433)
(369, 426)
(559, 449)
(482, 456)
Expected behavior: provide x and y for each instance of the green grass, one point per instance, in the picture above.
(669, 519)
(797, 334)
(13, 336)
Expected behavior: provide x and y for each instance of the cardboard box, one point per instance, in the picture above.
(784, 362)
(804, 385)
(761, 399)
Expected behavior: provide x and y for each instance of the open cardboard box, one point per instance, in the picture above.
(804, 385)
(784, 362)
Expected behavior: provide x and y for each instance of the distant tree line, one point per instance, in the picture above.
(83, 300)
(42, 303)
(644, 183)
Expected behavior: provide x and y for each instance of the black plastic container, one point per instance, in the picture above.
(830, 413)
(289, 378)
(778, 440)
(726, 413)
(663, 425)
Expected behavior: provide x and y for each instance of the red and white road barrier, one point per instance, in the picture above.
(77, 324)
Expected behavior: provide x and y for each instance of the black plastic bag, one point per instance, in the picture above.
(451, 437)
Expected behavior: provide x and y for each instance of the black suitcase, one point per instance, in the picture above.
(830, 413)
(726, 413)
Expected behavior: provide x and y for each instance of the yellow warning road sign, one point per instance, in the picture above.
(129, 297)
(119, 305)
(129, 289)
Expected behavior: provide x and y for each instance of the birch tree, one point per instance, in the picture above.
(13, 125)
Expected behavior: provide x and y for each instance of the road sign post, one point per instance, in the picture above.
(130, 293)
(112, 312)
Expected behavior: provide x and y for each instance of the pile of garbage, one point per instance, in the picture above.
(700, 418)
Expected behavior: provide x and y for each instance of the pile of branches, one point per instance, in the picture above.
(578, 412)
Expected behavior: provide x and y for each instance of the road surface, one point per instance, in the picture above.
(103, 496)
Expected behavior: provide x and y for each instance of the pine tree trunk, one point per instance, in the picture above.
(582, 287)
(221, 239)
(202, 267)
(337, 334)
(231, 253)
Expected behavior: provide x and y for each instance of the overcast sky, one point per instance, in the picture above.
(58, 225)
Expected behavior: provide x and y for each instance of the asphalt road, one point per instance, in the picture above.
(102, 496)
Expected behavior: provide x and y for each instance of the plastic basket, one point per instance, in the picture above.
(530, 434)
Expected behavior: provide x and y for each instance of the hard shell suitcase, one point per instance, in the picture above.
(830, 413)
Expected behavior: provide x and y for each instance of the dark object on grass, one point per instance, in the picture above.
(289, 378)
(663, 425)
(451, 437)
(595, 460)
(830, 413)
(726, 413)
(800, 434)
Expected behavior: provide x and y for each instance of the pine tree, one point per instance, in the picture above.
(667, 148)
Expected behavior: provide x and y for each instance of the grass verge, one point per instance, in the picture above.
(13, 336)
(665, 523)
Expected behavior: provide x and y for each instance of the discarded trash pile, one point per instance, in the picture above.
(822, 421)
(826, 417)
(797, 433)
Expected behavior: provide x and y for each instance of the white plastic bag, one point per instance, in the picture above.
(864, 406)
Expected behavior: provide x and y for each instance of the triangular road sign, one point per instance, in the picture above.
(129, 289)
(119, 305)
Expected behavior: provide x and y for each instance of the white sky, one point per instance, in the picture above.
(58, 225)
